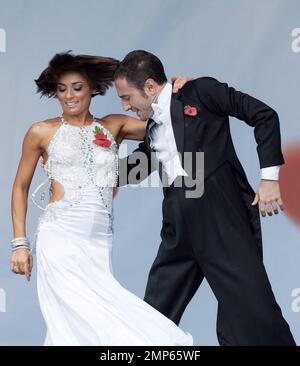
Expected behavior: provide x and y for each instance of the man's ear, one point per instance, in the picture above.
(150, 87)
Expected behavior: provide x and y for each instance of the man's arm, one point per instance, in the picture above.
(225, 100)
(135, 167)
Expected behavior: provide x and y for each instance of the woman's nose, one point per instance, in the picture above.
(69, 93)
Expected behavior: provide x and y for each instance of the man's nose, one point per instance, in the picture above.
(126, 106)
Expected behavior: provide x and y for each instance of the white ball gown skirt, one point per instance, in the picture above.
(81, 301)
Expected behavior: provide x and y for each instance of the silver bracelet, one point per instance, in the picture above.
(19, 238)
(20, 242)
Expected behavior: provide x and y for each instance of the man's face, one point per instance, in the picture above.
(134, 99)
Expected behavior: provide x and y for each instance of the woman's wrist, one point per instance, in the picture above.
(20, 242)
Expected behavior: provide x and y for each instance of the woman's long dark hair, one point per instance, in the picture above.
(99, 72)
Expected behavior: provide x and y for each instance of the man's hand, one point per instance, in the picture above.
(269, 198)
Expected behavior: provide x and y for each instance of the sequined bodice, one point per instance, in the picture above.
(75, 162)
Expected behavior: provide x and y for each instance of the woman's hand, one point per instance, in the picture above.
(179, 81)
(22, 262)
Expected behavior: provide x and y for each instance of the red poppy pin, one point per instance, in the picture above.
(101, 138)
(190, 111)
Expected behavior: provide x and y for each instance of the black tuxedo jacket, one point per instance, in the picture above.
(208, 131)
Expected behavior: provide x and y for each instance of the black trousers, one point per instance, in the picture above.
(218, 237)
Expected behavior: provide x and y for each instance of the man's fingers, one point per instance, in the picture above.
(255, 201)
(269, 209)
(275, 207)
(262, 208)
(280, 204)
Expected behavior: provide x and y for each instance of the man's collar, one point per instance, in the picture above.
(163, 102)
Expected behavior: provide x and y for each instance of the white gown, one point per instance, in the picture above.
(81, 301)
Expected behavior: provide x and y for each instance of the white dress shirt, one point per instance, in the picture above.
(162, 140)
(162, 137)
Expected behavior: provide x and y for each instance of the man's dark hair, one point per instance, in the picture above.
(138, 66)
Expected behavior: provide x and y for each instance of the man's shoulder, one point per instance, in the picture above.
(199, 88)
(202, 84)
(205, 82)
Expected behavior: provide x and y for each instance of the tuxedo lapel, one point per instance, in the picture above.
(177, 121)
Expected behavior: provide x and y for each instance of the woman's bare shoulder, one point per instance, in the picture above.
(39, 132)
(41, 128)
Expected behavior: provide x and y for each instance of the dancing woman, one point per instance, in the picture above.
(80, 299)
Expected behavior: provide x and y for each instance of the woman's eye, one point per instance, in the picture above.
(61, 90)
(77, 88)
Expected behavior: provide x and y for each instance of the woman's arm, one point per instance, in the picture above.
(30, 155)
(133, 129)
(125, 127)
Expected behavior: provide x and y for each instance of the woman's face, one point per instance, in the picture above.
(74, 93)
